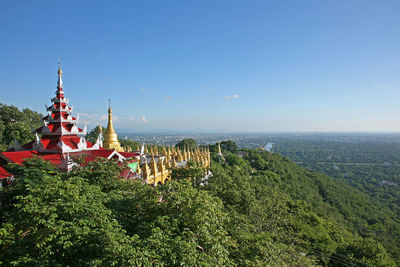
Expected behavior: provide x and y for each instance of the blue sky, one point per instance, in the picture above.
(256, 66)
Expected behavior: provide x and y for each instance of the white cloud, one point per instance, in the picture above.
(148, 90)
(167, 98)
(144, 120)
(232, 97)
(91, 119)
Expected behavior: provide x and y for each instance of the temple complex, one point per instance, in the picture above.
(60, 140)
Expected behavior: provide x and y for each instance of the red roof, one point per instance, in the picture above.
(18, 156)
(91, 155)
(57, 158)
(53, 158)
(129, 154)
(4, 174)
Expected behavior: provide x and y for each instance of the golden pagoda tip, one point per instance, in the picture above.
(59, 66)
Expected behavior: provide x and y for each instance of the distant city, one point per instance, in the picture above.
(265, 140)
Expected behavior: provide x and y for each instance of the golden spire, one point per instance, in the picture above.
(138, 170)
(160, 164)
(110, 137)
(59, 68)
(59, 82)
(219, 148)
(179, 154)
(173, 165)
(153, 167)
(184, 154)
(169, 152)
(167, 164)
(146, 170)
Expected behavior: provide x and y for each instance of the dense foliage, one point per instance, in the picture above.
(17, 125)
(256, 210)
(187, 143)
(92, 135)
(368, 163)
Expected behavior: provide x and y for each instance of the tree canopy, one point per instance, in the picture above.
(257, 209)
(17, 125)
(187, 143)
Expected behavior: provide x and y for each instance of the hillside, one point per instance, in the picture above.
(258, 210)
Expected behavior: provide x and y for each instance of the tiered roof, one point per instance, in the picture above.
(60, 133)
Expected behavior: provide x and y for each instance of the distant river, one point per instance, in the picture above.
(269, 146)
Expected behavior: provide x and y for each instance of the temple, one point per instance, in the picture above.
(60, 139)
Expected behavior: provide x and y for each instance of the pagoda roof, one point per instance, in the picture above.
(129, 155)
(4, 174)
(51, 142)
(20, 156)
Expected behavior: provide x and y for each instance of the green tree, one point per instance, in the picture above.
(17, 125)
(192, 172)
(94, 133)
(129, 143)
(102, 172)
(364, 252)
(188, 143)
(64, 222)
(229, 146)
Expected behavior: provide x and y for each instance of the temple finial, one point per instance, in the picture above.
(59, 82)
(59, 66)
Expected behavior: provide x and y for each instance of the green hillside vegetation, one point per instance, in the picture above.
(259, 210)
(17, 125)
(369, 164)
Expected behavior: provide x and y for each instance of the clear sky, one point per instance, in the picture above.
(208, 65)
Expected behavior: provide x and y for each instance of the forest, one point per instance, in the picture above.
(259, 209)
(370, 164)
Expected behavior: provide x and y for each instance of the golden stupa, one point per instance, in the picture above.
(110, 137)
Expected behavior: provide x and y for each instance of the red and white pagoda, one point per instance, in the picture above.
(60, 133)
(60, 138)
